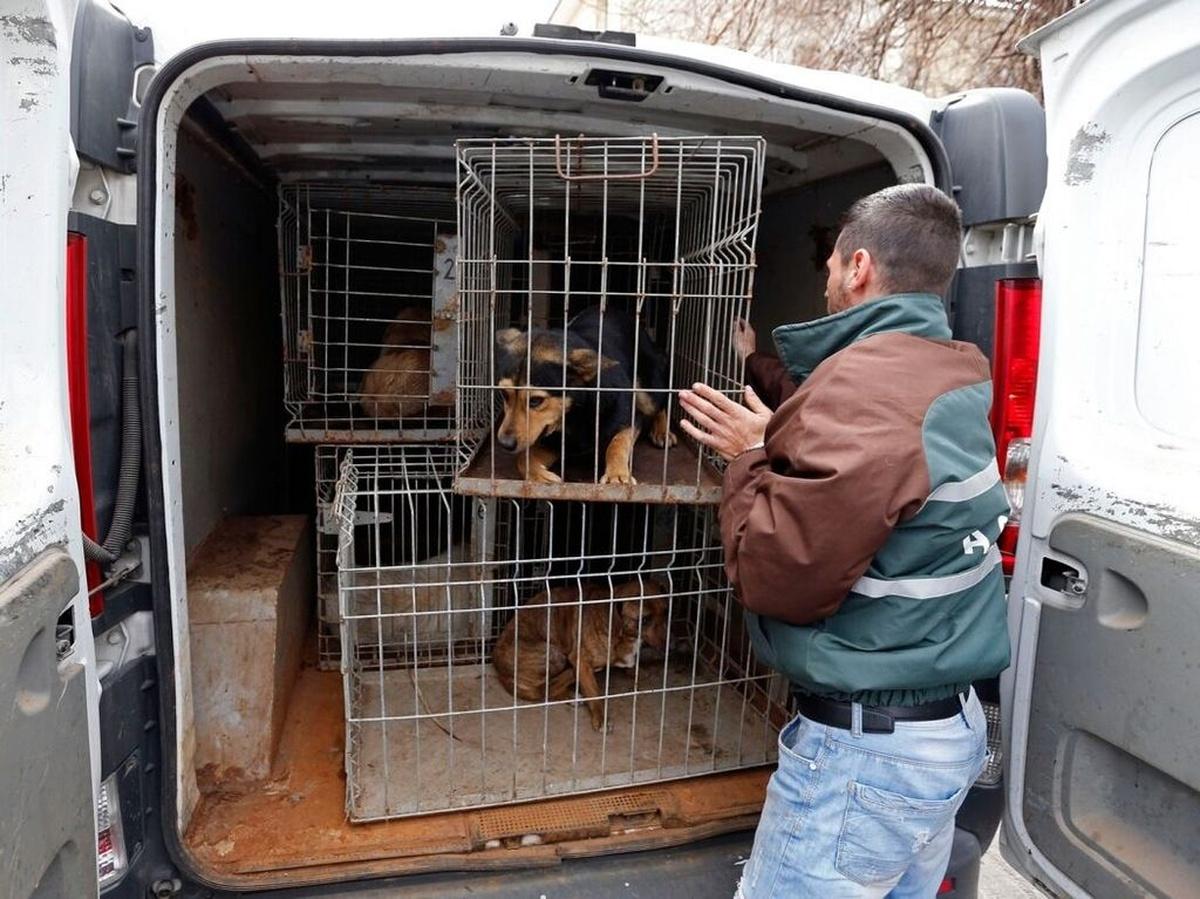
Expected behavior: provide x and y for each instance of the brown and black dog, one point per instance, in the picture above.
(543, 652)
(596, 396)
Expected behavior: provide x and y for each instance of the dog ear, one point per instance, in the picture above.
(510, 342)
(628, 590)
(587, 363)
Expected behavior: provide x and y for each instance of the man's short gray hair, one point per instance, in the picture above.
(912, 231)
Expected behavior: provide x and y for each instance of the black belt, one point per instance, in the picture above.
(876, 719)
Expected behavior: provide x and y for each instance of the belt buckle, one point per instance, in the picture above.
(877, 722)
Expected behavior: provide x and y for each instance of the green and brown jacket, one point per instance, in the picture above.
(861, 538)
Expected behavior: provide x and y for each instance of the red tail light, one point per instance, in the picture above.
(947, 886)
(1014, 377)
(77, 396)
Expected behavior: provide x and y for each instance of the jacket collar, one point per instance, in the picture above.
(802, 347)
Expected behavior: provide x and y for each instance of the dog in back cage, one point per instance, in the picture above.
(397, 383)
(563, 636)
(593, 387)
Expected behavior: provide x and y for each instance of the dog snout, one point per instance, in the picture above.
(507, 442)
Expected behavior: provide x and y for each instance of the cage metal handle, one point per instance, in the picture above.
(626, 176)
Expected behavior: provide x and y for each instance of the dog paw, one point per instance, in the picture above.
(660, 440)
(618, 477)
(601, 726)
(543, 476)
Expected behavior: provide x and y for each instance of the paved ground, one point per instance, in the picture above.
(998, 881)
(708, 870)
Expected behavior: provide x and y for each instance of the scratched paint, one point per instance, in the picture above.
(29, 29)
(1085, 146)
(29, 536)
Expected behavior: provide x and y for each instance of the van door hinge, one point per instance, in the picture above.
(999, 243)
(111, 67)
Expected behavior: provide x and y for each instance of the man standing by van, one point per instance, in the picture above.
(859, 523)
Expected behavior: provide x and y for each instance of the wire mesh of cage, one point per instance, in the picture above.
(451, 604)
(596, 276)
(368, 310)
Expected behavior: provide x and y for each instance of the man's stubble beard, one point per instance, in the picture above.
(838, 300)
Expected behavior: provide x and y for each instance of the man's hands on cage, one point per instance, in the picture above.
(722, 424)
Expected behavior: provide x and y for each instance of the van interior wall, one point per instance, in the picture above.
(228, 344)
(795, 236)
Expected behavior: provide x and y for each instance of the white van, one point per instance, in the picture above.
(271, 669)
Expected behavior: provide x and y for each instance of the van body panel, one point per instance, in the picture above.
(1100, 710)
(48, 687)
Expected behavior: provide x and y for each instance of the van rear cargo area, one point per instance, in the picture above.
(349, 250)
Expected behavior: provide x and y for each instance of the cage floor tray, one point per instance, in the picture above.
(344, 423)
(470, 758)
(684, 478)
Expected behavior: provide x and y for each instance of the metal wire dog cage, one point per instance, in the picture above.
(370, 338)
(327, 459)
(654, 237)
(443, 596)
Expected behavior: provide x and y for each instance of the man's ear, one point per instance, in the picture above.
(586, 364)
(510, 342)
(862, 270)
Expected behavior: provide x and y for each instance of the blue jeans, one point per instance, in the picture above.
(851, 814)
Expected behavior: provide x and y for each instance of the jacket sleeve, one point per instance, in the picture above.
(802, 517)
(769, 378)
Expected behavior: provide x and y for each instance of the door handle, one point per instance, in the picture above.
(1063, 577)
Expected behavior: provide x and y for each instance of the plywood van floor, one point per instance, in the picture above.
(453, 737)
(292, 828)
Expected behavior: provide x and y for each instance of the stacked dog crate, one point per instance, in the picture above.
(453, 568)
(369, 336)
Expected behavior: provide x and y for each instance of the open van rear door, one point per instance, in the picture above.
(48, 687)
(1103, 699)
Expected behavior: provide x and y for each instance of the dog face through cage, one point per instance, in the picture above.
(598, 383)
(611, 272)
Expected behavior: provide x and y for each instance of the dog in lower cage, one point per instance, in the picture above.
(598, 384)
(397, 383)
(566, 634)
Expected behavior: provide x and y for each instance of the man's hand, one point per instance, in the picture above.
(745, 341)
(726, 426)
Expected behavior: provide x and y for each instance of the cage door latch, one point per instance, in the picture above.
(328, 523)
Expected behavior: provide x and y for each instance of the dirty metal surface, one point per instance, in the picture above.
(291, 829)
(686, 480)
(341, 427)
(46, 810)
(586, 816)
(1111, 782)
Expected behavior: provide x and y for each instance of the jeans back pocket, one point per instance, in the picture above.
(882, 831)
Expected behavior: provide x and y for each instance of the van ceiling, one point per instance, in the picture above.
(396, 120)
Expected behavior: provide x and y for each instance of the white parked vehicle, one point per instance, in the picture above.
(189, 702)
